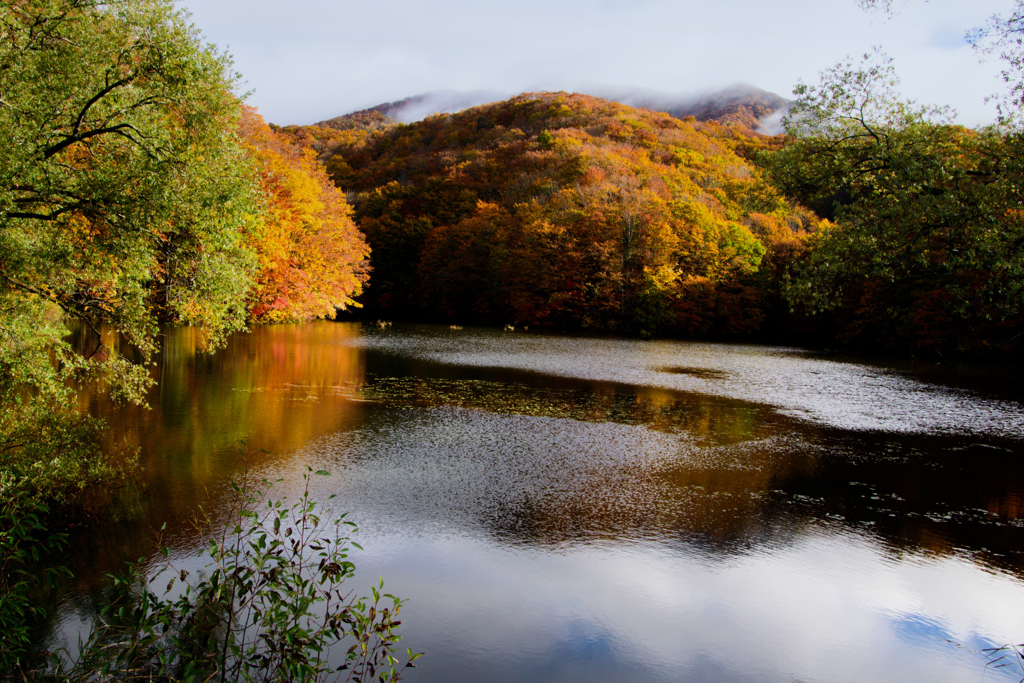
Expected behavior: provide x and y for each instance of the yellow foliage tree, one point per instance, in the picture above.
(313, 259)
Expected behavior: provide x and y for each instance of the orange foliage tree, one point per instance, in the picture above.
(313, 260)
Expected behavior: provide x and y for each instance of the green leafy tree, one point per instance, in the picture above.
(925, 249)
(124, 195)
(23, 540)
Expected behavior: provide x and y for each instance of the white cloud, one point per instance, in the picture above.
(314, 59)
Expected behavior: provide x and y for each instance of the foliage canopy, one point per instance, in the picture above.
(926, 244)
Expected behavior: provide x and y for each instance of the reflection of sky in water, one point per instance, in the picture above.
(841, 395)
(828, 608)
(556, 550)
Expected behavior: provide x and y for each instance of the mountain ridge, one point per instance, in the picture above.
(744, 104)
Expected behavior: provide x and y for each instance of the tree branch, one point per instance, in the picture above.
(118, 130)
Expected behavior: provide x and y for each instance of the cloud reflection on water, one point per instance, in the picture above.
(571, 509)
(557, 550)
(826, 608)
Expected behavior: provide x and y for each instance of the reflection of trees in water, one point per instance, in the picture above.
(711, 496)
(727, 458)
(930, 496)
(742, 474)
(701, 418)
(747, 474)
(945, 499)
(276, 387)
(939, 495)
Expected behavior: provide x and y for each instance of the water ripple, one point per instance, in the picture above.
(830, 393)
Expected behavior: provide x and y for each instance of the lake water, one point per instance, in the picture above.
(584, 509)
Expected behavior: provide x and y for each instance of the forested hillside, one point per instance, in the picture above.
(137, 191)
(570, 212)
(875, 223)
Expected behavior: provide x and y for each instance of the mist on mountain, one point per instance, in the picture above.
(739, 103)
(416, 108)
(757, 109)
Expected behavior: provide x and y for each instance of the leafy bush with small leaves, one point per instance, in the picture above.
(270, 606)
(24, 541)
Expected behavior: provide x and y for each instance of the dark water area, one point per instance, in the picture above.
(570, 509)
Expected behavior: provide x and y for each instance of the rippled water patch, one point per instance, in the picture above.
(617, 552)
(709, 419)
(837, 394)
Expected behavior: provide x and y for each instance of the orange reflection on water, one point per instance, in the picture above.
(275, 388)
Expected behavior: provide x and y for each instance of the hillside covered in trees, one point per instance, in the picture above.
(570, 212)
(146, 193)
(874, 223)
(137, 190)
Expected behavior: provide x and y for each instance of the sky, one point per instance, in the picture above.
(309, 60)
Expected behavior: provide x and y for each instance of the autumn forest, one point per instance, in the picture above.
(142, 191)
(567, 212)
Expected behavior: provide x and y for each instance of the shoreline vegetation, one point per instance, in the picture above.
(139, 190)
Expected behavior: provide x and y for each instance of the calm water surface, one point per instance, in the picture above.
(579, 509)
